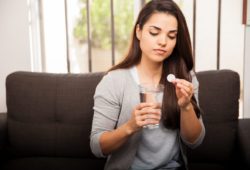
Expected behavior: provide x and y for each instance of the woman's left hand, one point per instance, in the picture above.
(184, 91)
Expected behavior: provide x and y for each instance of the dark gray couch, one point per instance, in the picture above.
(49, 116)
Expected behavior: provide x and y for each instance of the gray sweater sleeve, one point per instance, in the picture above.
(106, 112)
(199, 140)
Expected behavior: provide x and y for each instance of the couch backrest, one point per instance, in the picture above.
(219, 93)
(50, 114)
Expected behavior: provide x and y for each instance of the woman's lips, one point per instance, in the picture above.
(160, 51)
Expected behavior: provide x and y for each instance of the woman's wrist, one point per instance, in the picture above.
(187, 107)
(129, 128)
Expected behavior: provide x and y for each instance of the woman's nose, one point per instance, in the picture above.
(162, 40)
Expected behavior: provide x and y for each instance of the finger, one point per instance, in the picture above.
(142, 105)
(143, 114)
(140, 120)
(150, 122)
(156, 105)
(150, 110)
(185, 93)
(184, 82)
(154, 116)
(141, 123)
(187, 89)
(148, 114)
(140, 113)
(181, 83)
(145, 122)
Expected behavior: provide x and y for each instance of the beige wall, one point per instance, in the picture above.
(14, 41)
(15, 49)
(246, 96)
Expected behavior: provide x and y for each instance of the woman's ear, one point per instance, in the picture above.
(138, 32)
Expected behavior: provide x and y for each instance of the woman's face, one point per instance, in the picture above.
(158, 37)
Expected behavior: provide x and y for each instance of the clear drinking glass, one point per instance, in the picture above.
(151, 93)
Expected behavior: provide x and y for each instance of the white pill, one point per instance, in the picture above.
(170, 77)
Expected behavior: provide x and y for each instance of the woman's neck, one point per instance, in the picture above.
(149, 72)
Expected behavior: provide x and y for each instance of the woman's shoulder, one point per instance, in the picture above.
(192, 73)
(194, 79)
(118, 74)
(115, 77)
(113, 84)
(120, 71)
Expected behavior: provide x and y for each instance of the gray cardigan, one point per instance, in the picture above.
(115, 97)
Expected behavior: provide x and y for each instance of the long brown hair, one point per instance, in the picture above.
(179, 63)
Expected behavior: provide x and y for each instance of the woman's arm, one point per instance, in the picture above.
(192, 129)
(190, 126)
(113, 140)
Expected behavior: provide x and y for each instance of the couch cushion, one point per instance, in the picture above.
(244, 140)
(55, 163)
(215, 166)
(50, 114)
(207, 166)
(219, 99)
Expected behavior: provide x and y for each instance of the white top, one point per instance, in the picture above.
(158, 148)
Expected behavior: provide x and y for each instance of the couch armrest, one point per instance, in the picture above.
(244, 140)
(3, 130)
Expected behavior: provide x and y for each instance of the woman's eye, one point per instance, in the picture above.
(172, 37)
(153, 33)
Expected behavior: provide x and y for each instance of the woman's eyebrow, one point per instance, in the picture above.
(155, 27)
(158, 28)
(173, 31)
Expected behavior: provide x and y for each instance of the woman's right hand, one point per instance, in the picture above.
(145, 114)
(142, 115)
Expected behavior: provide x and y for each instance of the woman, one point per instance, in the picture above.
(160, 46)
